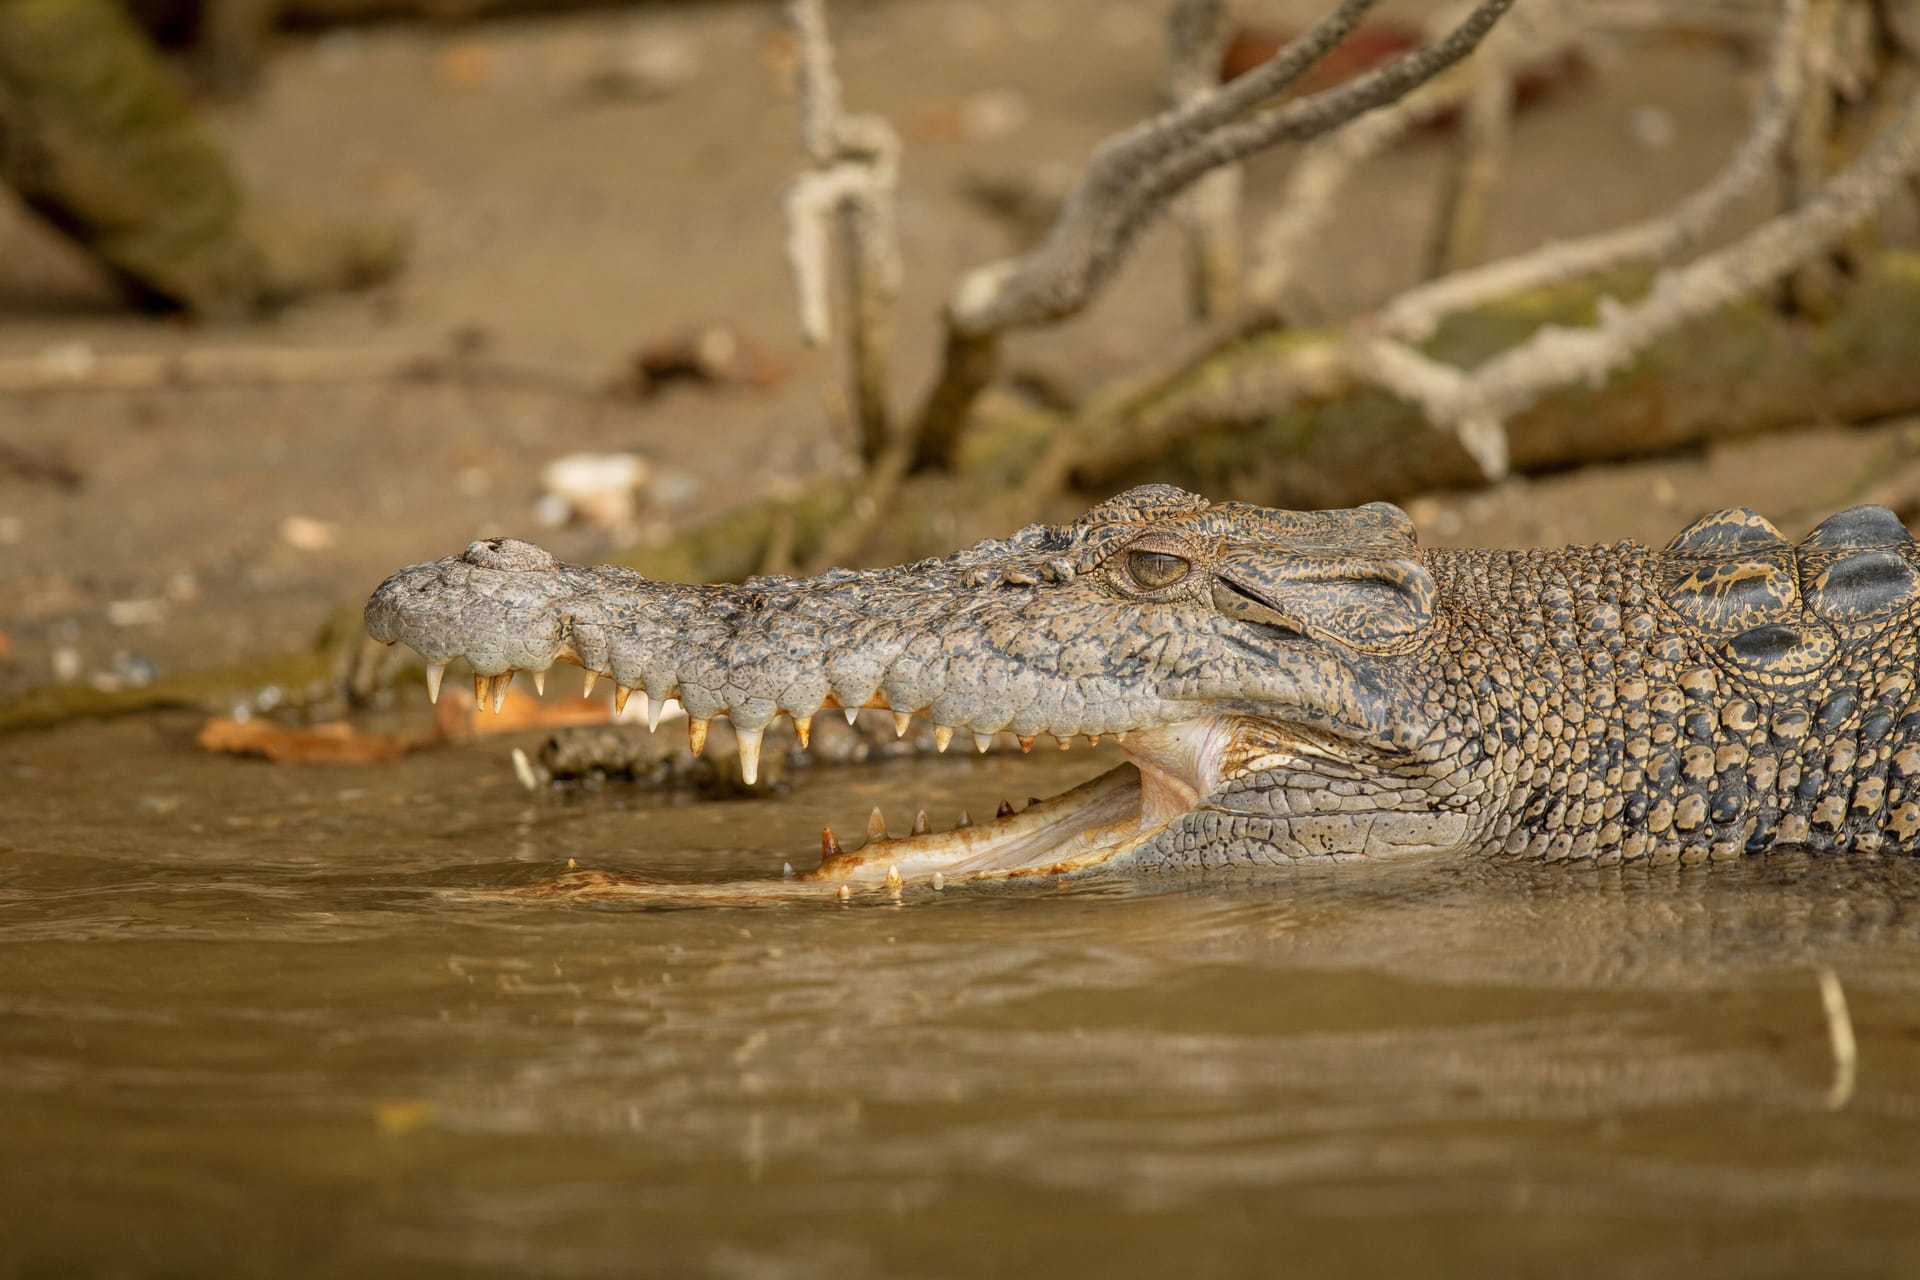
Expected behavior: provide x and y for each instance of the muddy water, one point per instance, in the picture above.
(272, 1021)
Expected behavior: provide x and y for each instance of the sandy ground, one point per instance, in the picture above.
(214, 525)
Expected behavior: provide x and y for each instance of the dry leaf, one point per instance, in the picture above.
(335, 743)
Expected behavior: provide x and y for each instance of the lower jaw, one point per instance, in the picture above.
(1091, 824)
(1098, 822)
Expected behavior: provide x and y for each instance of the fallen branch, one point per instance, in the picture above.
(80, 368)
(1474, 404)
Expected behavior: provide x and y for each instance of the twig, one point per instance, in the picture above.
(1460, 233)
(1840, 1038)
(1475, 404)
(852, 188)
(1133, 175)
(872, 505)
(1209, 213)
(1813, 285)
(1415, 314)
(1323, 168)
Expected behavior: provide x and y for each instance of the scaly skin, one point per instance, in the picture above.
(1295, 685)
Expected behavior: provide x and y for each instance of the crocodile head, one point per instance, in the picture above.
(1270, 675)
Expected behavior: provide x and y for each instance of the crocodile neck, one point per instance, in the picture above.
(1618, 730)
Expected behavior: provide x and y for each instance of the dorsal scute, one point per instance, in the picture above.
(1858, 566)
(1735, 531)
(1730, 572)
(1858, 528)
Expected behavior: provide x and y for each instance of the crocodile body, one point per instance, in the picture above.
(1294, 685)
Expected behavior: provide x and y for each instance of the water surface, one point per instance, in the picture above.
(271, 1021)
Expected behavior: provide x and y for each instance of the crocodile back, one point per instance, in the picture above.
(1727, 693)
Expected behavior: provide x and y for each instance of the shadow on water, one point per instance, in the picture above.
(258, 1020)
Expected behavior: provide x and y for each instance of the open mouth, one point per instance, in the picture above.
(1169, 770)
(1172, 771)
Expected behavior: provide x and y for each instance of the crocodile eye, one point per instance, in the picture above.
(1156, 569)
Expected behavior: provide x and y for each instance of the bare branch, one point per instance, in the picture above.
(1415, 314)
(1130, 179)
(819, 87)
(852, 186)
(814, 201)
(1475, 403)
(1804, 161)
(1197, 36)
(76, 367)
(1318, 176)
(1460, 233)
(1530, 34)
(1133, 175)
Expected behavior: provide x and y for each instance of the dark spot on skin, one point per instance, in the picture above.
(1763, 646)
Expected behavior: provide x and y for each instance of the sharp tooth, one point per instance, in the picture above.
(1032, 801)
(482, 686)
(500, 684)
(982, 741)
(803, 729)
(901, 720)
(646, 707)
(593, 678)
(852, 713)
(540, 683)
(749, 740)
(1026, 744)
(620, 695)
(434, 671)
(1006, 810)
(829, 847)
(939, 881)
(893, 879)
(965, 821)
(942, 737)
(1093, 739)
(920, 824)
(1065, 743)
(786, 870)
(846, 893)
(653, 713)
(876, 825)
(696, 734)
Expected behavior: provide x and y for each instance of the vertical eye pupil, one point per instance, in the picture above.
(1156, 568)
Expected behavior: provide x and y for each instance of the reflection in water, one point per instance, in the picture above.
(267, 1020)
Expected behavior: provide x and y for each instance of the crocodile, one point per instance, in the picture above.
(1288, 686)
